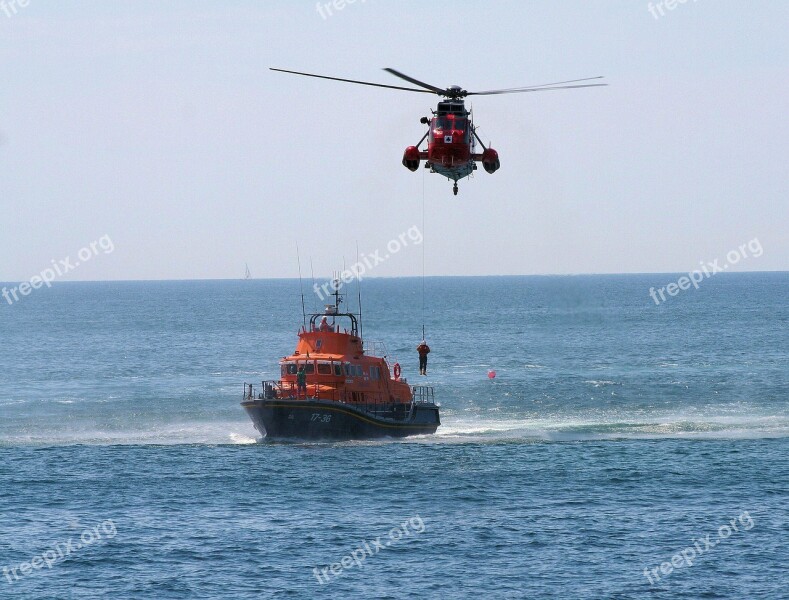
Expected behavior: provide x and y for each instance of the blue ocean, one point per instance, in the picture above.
(624, 449)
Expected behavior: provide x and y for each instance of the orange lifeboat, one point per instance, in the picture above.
(332, 387)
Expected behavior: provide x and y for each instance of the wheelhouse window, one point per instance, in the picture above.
(293, 368)
(324, 369)
(338, 370)
(353, 370)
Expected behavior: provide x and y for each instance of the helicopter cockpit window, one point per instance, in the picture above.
(447, 124)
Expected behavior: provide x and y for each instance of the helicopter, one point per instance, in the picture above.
(451, 135)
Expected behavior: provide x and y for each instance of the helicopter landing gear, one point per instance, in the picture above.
(455, 188)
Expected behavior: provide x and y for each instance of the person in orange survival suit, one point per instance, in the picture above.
(423, 350)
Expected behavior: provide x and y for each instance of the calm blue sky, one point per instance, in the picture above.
(159, 125)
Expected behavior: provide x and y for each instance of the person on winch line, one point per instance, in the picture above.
(301, 381)
(423, 350)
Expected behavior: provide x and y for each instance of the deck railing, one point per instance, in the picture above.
(288, 390)
(273, 389)
(396, 411)
(423, 394)
(375, 348)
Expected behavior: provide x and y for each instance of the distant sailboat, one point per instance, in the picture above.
(247, 274)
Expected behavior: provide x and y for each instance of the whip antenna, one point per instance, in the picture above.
(301, 287)
(359, 290)
(314, 287)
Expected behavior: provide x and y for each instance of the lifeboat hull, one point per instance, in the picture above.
(314, 419)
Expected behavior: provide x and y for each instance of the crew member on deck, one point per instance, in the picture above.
(423, 350)
(324, 326)
(301, 381)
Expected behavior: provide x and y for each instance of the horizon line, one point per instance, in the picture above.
(609, 274)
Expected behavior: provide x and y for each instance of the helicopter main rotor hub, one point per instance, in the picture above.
(455, 91)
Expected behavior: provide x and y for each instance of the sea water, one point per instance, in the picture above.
(624, 449)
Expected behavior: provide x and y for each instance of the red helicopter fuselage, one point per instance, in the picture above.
(451, 144)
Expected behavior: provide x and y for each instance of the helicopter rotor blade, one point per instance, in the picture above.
(535, 89)
(391, 87)
(530, 87)
(427, 86)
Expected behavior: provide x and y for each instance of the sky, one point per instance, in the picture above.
(156, 129)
